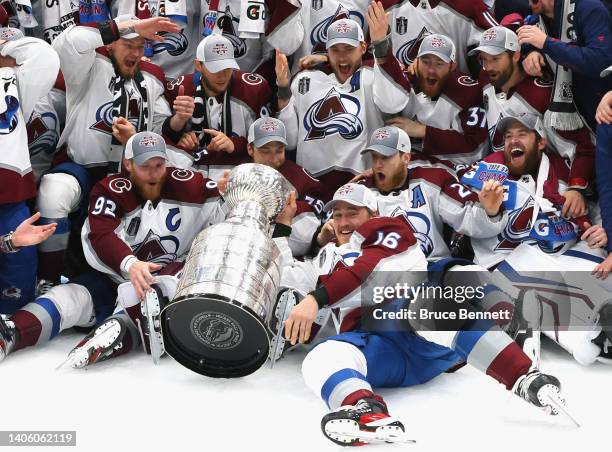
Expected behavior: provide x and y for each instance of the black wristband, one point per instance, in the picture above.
(169, 132)
(381, 48)
(321, 295)
(283, 92)
(281, 230)
(108, 31)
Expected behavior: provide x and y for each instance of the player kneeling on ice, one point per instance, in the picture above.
(139, 224)
(346, 367)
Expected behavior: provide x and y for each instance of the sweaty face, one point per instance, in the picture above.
(270, 154)
(522, 150)
(432, 74)
(345, 60)
(389, 172)
(126, 55)
(499, 67)
(347, 218)
(148, 178)
(214, 83)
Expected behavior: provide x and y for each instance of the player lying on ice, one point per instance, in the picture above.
(345, 368)
(140, 223)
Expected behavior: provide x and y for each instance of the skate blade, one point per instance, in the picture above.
(278, 342)
(151, 310)
(348, 431)
(82, 355)
(557, 405)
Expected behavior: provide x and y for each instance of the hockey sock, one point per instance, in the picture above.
(354, 397)
(36, 323)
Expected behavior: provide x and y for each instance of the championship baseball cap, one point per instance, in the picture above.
(529, 120)
(356, 194)
(265, 130)
(125, 18)
(388, 141)
(217, 53)
(438, 45)
(496, 40)
(10, 34)
(606, 72)
(344, 31)
(144, 146)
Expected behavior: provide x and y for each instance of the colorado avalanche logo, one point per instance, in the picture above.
(408, 51)
(344, 260)
(318, 35)
(43, 133)
(336, 113)
(104, 119)
(157, 249)
(520, 222)
(421, 227)
(174, 43)
(8, 118)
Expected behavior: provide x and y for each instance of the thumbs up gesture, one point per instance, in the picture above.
(183, 105)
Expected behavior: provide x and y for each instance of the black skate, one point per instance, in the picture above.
(99, 345)
(8, 337)
(540, 390)
(366, 422)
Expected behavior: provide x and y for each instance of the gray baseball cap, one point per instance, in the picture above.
(125, 18)
(216, 53)
(529, 120)
(388, 141)
(496, 40)
(266, 130)
(10, 33)
(344, 31)
(144, 146)
(438, 45)
(356, 194)
(606, 72)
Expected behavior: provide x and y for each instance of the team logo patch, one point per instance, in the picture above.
(182, 174)
(174, 43)
(382, 134)
(342, 27)
(12, 292)
(120, 185)
(43, 133)
(269, 126)
(408, 51)
(252, 79)
(337, 113)
(345, 190)
(466, 80)
(489, 35)
(438, 43)
(317, 4)
(304, 85)
(104, 119)
(148, 141)
(420, 225)
(216, 330)
(8, 118)
(220, 49)
(543, 83)
(7, 33)
(157, 249)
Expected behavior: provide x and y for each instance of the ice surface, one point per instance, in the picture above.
(129, 404)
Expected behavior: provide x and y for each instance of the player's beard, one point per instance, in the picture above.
(215, 90)
(502, 77)
(147, 191)
(432, 90)
(125, 71)
(529, 165)
(391, 181)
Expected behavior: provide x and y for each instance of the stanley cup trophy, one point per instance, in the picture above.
(216, 324)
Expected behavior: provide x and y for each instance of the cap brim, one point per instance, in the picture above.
(381, 149)
(443, 57)
(606, 72)
(130, 36)
(142, 158)
(268, 139)
(330, 205)
(219, 65)
(504, 123)
(349, 41)
(491, 50)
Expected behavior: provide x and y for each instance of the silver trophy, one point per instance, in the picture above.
(217, 323)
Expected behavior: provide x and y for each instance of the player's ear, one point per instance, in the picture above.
(250, 150)
(453, 66)
(542, 144)
(406, 157)
(364, 47)
(198, 65)
(127, 163)
(516, 56)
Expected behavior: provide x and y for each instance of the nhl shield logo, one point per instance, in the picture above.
(317, 4)
(401, 25)
(304, 85)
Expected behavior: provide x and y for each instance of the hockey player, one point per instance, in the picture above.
(105, 81)
(440, 105)
(139, 224)
(345, 368)
(267, 141)
(463, 21)
(226, 102)
(29, 67)
(428, 195)
(508, 90)
(328, 116)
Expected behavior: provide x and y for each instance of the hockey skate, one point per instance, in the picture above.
(8, 337)
(542, 391)
(150, 329)
(366, 422)
(526, 324)
(285, 302)
(99, 345)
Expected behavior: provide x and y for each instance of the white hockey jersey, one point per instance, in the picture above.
(121, 226)
(432, 197)
(330, 123)
(23, 85)
(88, 72)
(461, 20)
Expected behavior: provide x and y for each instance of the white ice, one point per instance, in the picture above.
(129, 404)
